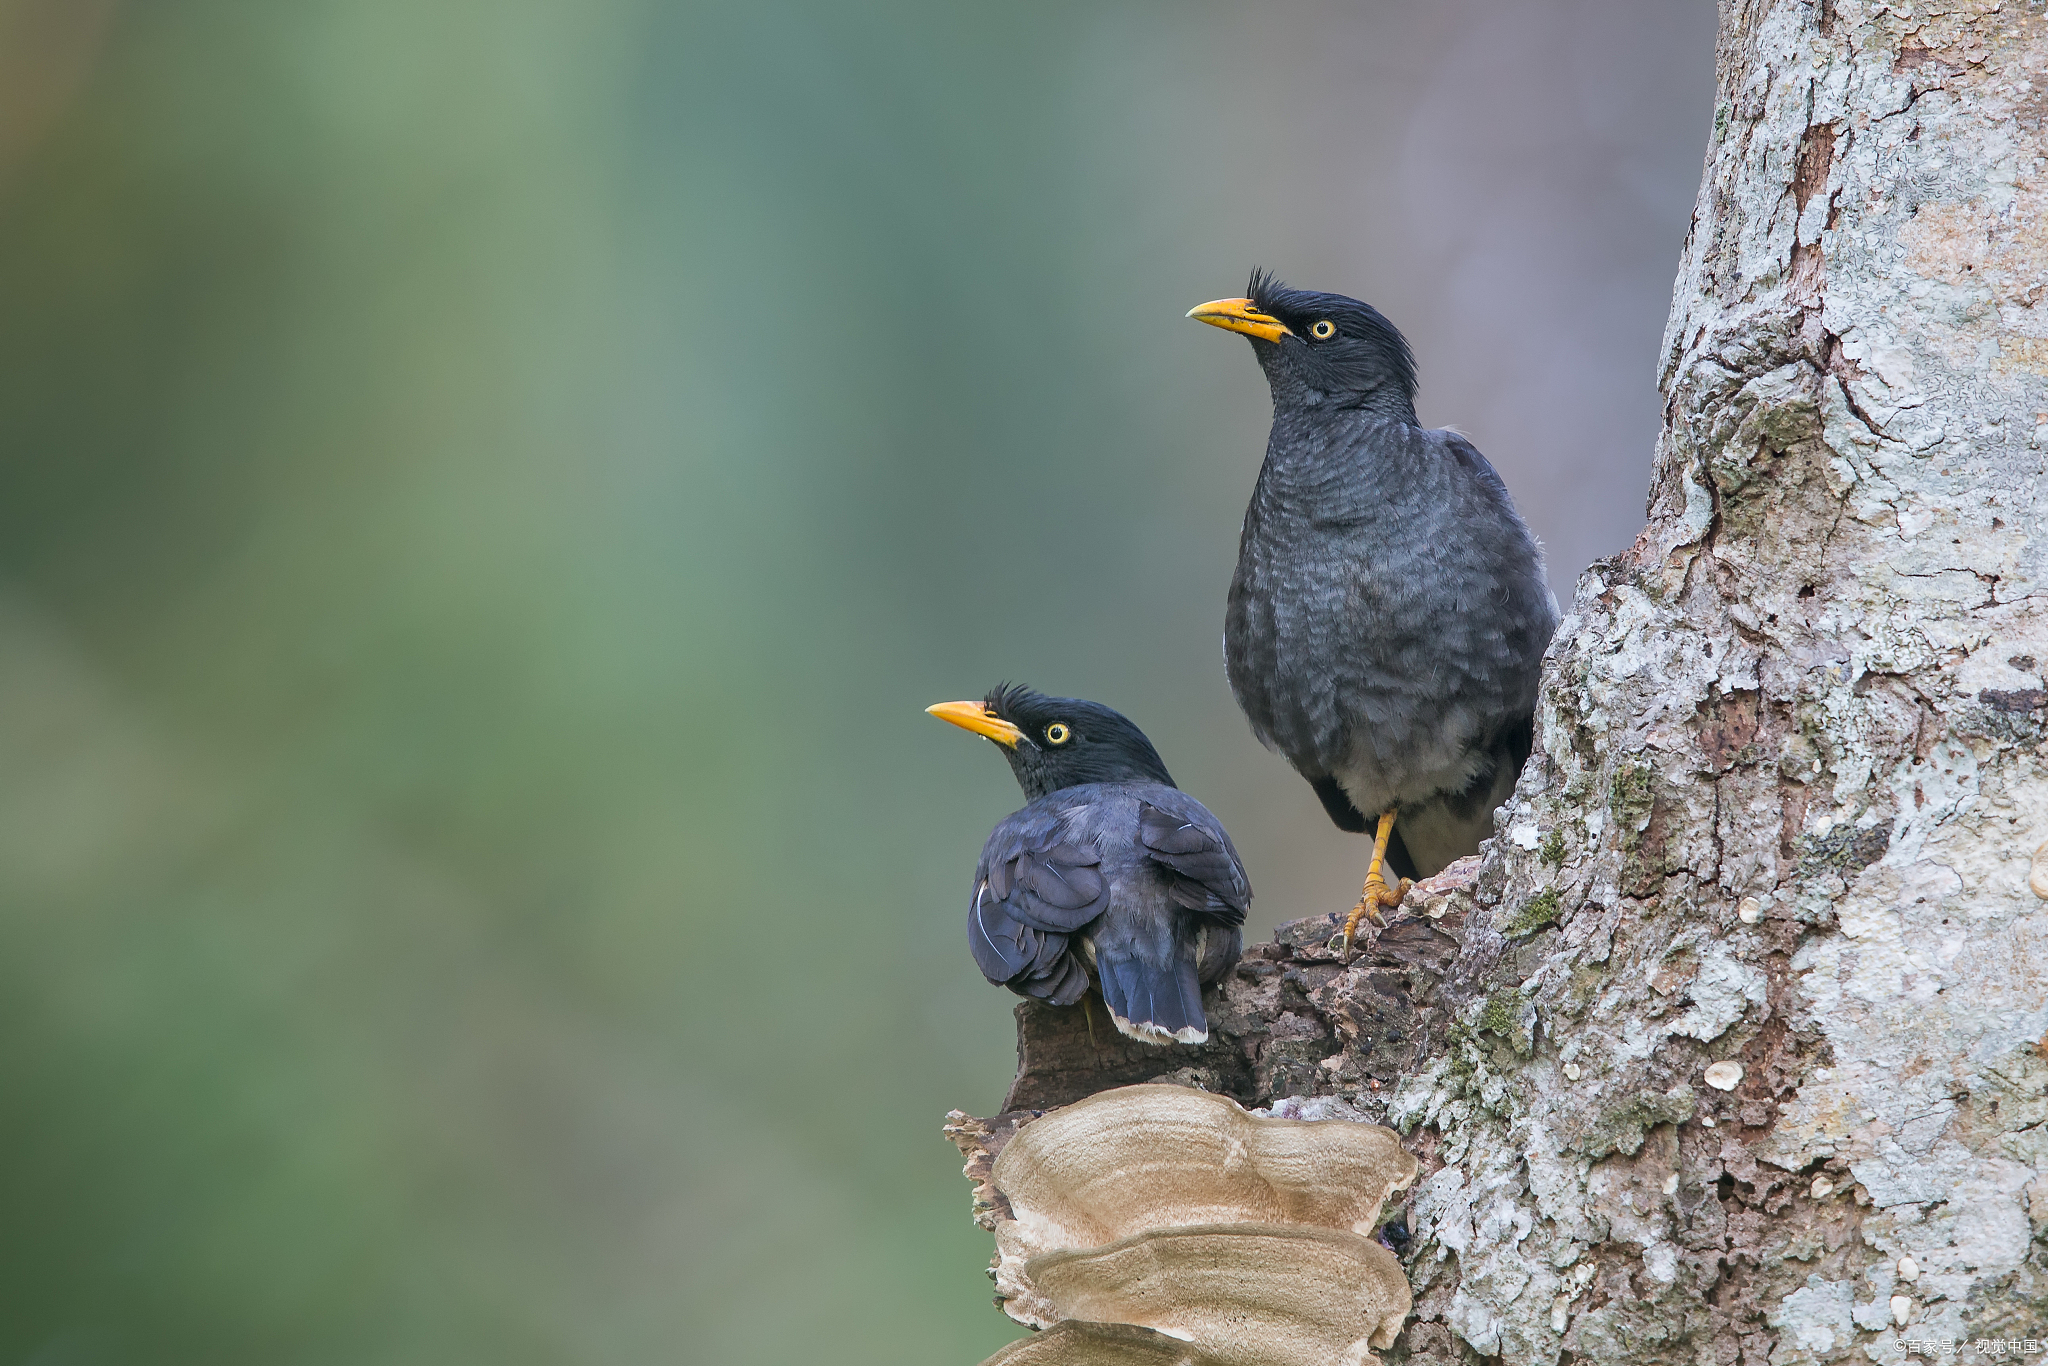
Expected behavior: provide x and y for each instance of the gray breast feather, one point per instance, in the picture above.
(1385, 621)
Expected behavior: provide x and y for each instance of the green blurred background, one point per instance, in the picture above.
(485, 493)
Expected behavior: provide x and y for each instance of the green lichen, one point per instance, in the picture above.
(1553, 849)
(1462, 1049)
(1632, 795)
(1508, 1014)
(1499, 1015)
(1538, 911)
(1622, 1127)
(1584, 988)
(1845, 849)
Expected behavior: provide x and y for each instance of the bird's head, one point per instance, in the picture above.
(1320, 349)
(1056, 742)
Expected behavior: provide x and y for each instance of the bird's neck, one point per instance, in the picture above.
(1314, 451)
(1389, 401)
(1039, 781)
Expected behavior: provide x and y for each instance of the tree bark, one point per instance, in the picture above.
(1733, 1046)
(1792, 766)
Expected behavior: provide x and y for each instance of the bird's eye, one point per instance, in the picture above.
(1323, 330)
(1057, 734)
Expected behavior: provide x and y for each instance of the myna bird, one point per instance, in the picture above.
(1108, 871)
(1389, 613)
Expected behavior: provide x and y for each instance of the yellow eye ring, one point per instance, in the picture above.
(1323, 330)
(1057, 734)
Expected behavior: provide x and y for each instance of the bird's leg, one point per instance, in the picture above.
(1375, 894)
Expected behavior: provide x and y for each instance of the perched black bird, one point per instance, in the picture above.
(1389, 613)
(1109, 869)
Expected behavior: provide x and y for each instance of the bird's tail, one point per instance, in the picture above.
(1152, 997)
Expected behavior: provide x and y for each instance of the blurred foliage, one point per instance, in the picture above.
(485, 493)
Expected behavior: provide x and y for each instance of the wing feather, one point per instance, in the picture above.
(1204, 872)
(1036, 886)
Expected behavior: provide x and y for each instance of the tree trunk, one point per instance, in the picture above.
(1733, 1050)
(1792, 766)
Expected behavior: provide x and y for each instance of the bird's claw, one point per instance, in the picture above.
(1375, 894)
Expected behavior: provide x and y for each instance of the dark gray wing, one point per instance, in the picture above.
(1203, 870)
(1057, 887)
(1033, 888)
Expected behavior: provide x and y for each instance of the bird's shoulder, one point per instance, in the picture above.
(1186, 840)
(1082, 816)
(1091, 821)
(1457, 452)
(1157, 797)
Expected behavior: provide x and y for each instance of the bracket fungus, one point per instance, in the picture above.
(1246, 1239)
(1247, 1294)
(1077, 1343)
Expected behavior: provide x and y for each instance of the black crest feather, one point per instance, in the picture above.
(1388, 358)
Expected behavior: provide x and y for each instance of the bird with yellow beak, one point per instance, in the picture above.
(1109, 877)
(1386, 625)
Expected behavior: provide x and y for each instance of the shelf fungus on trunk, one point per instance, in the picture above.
(1246, 1240)
(1245, 1294)
(1079, 1343)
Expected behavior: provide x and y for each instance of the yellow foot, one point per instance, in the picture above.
(1374, 894)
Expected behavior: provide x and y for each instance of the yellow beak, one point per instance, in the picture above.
(975, 717)
(1240, 315)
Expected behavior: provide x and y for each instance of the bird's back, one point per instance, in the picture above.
(1110, 821)
(1144, 880)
